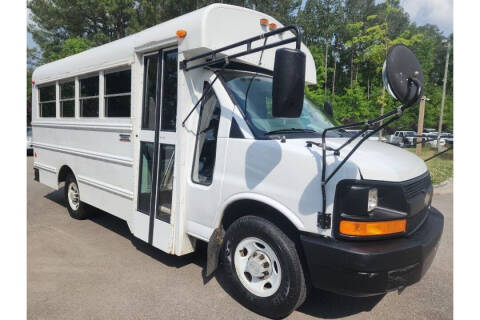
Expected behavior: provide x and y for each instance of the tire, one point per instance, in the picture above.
(282, 288)
(76, 208)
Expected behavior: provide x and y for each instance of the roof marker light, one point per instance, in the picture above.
(272, 26)
(264, 22)
(181, 33)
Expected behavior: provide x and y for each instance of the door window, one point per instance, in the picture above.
(145, 180)
(150, 92)
(169, 93)
(206, 144)
(165, 181)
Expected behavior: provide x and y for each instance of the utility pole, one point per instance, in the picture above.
(421, 113)
(443, 96)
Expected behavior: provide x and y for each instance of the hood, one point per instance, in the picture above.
(380, 161)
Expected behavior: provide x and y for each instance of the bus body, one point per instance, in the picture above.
(111, 122)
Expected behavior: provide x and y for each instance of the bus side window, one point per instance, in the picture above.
(206, 144)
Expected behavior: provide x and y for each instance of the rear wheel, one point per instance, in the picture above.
(263, 267)
(76, 208)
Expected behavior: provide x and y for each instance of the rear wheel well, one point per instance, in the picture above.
(63, 173)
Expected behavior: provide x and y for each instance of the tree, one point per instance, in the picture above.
(348, 39)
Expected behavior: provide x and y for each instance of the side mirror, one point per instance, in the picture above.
(402, 75)
(328, 109)
(288, 83)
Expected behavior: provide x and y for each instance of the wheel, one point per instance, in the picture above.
(263, 268)
(76, 208)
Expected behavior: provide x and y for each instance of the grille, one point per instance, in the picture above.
(415, 187)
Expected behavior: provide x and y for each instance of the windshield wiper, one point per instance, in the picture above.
(290, 130)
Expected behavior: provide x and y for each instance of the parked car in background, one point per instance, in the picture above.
(402, 138)
(29, 141)
(352, 132)
(445, 139)
(374, 137)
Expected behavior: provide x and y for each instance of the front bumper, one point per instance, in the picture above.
(363, 268)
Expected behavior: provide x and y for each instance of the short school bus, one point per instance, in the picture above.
(188, 132)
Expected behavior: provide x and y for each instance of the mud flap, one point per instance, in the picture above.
(213, 250)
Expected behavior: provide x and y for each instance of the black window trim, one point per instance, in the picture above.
(40, 102)
(80, 98)
(105, 95)
(144, 89)
(159, 54)
(205, 86)
(60, 83)
(139, 182)
(163, 52)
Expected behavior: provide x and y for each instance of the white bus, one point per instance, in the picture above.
(197, 130)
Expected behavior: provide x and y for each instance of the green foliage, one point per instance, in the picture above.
(69, 47)
(441, 167)
(347, 38)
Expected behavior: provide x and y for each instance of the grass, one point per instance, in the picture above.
(441, 167)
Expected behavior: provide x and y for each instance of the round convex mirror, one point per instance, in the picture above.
(400, 66)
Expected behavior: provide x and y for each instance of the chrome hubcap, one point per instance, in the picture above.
(257, 267)
(73, 196)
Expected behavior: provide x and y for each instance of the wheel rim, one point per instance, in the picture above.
(73, 196)
(258, 267)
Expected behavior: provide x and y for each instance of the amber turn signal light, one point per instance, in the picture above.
(374, 228)
(272, 26)
(264, 22)
(181, 33)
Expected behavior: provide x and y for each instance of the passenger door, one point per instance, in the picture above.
(156, 175)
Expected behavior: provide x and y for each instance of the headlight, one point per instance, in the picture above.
(372, 199)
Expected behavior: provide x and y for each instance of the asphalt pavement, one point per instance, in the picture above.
(95, 269)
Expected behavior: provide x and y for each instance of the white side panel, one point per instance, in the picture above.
(139, 225)
(163, 236)
(268, 171)
(204, 200)
(47, 174)
(102, 164)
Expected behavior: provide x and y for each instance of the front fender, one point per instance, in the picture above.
(291, 216)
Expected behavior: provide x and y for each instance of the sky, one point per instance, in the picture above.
(439, 12)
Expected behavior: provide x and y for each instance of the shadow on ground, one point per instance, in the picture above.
(318, 304)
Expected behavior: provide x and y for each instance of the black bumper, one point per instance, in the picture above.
(363, 268)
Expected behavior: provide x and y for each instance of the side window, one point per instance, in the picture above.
(206, 144)
(117, 94)
(47, 101)
(67, 99)
(89, 96)
(150, 64)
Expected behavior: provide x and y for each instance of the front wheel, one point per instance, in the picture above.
(263, 267)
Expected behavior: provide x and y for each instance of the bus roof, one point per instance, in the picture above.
(209, 28)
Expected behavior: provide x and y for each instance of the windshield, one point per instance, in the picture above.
(376, 134)
(253, 93)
